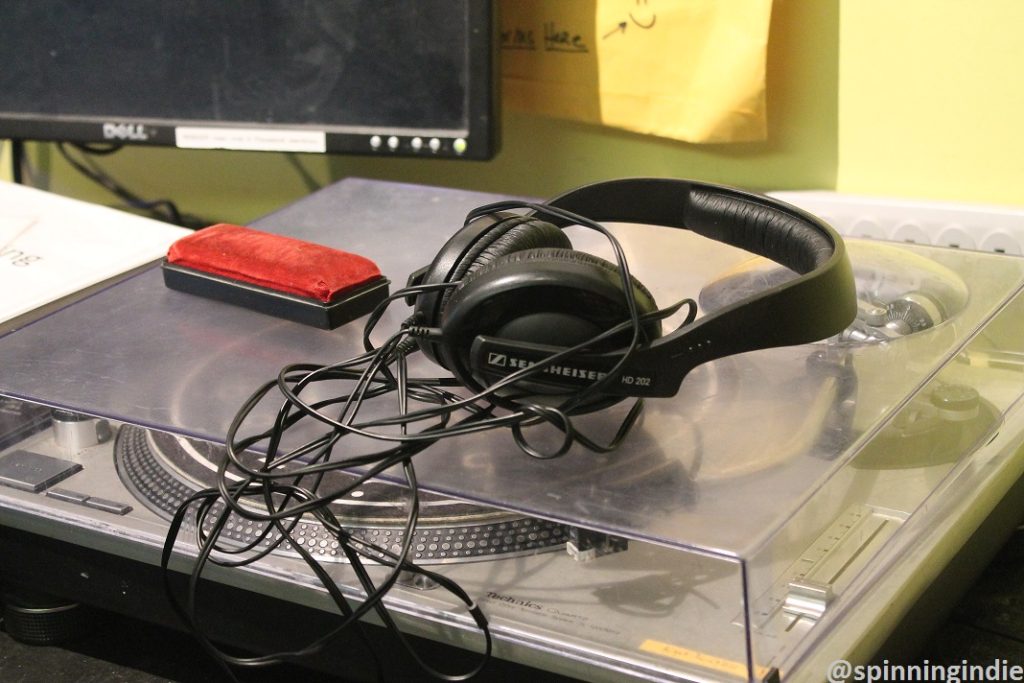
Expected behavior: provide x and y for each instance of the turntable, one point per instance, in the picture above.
(782, 511)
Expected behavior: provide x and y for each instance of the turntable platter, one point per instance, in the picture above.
(163, 470)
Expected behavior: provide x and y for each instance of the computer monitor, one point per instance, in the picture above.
(348, 76)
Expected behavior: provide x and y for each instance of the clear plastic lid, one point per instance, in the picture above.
(718, 468)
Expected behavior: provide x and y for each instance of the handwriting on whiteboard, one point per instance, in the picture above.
(553, 36)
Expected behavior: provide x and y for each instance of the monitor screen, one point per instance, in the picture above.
(355, 76)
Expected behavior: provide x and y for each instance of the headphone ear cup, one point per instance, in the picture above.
(473, 247)
(530, 233)
(556, 297)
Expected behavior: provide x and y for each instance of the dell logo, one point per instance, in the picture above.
(124, 131)
(499, 359)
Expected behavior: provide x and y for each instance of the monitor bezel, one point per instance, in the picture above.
(480, 139)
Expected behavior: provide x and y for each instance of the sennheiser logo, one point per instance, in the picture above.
(502, 360)
(124, 131)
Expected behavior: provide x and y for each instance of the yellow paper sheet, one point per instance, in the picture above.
(691, 70)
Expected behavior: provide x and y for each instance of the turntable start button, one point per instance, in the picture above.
(111, 506)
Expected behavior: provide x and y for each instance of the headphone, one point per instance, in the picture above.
(508, 293)
(528, 323)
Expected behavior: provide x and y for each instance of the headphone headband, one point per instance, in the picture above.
(755, 223)
(818, 303)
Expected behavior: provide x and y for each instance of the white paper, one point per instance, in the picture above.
(52, 246)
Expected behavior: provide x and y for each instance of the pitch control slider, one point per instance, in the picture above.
(804, 591)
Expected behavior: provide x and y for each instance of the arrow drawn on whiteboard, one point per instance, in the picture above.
(621, 28)
(641, 19)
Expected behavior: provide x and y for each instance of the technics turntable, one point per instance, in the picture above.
(785, 509)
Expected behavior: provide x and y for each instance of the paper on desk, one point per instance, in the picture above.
(52, 246)
(691, 70)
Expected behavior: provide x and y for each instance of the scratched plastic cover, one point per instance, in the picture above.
(719, 468)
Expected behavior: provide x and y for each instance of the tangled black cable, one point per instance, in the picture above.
(275, 486)
(161, 209)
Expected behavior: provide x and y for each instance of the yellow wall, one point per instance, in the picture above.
(5, 161)
(540, 156)
(919, 98)
(931, 99)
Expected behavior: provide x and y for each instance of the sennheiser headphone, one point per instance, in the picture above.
(518, 293)
(528, 323)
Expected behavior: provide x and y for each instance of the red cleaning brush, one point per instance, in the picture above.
(281, 276)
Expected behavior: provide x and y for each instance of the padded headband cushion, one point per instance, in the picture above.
(759, 228)
(752, 222)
